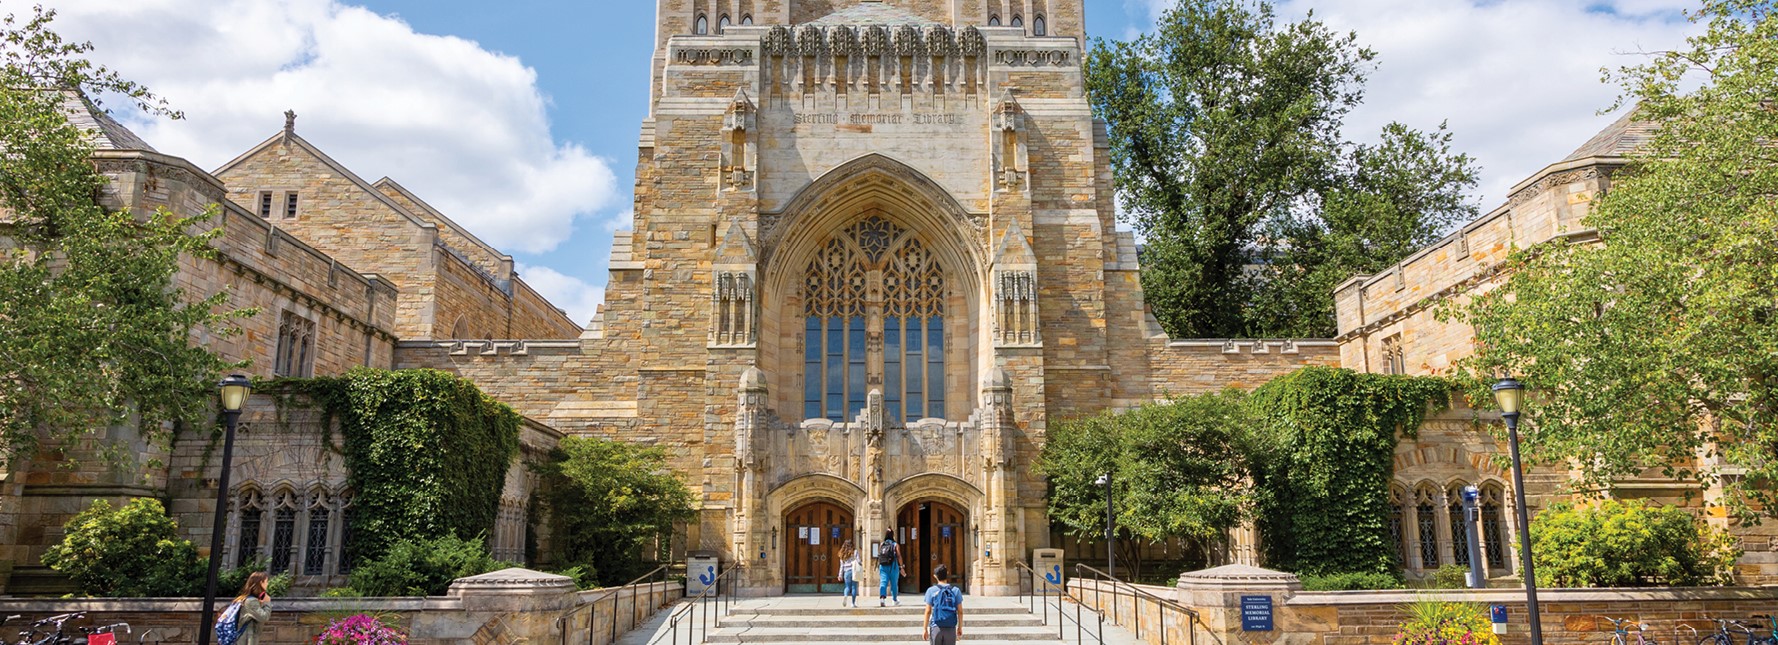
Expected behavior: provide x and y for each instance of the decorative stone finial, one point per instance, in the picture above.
(289, 121)
(753, 380)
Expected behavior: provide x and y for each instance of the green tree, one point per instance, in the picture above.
(133, 552)
(1659, 347)
(609, 501)
(92, 330)
(1179, 467)
(1629, 544)
(423, 567)
(1227, 151)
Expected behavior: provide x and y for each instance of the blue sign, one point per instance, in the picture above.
(1497, 614)
(836, 533)
(945, 531)
(1256, 613)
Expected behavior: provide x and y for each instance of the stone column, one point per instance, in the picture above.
(1216, 594)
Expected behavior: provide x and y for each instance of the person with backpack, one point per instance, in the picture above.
(239, 624)
(889, 572)
(850, 568)
(944, 609)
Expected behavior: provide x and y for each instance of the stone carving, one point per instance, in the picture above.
(1032, 57)
(1011, 150)
(808, 41)
(777, 42)
(907, 41)
(740, 150)
(875, 41)
(940, 42)
(714, 56)
(970, 43)
(841, 40)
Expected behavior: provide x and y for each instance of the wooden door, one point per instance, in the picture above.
(932, 533)
(813, 534)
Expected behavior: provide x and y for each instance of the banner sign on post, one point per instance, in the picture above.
(1256, 613)
(1497, 615)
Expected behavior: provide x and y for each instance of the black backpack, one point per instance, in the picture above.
(887, 555)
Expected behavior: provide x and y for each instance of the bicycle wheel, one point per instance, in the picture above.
(1617, 639)
(1716, 639)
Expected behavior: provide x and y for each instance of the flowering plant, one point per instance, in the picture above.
(1438, 622)
(361, 629)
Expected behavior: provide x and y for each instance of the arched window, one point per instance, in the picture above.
(315, 541)
(994, 20)
(702, 26)
(283, 531)
(874, 256)
(722, 23)
(1459, 536)
(1018, 20)
(746, 19)
(1039, 26)
(1397, 500)
(250, 506)
(1426, 526)
(1493, 529)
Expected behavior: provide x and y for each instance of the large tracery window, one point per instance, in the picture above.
(874, 277)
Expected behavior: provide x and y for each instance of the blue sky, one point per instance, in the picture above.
(519, 119)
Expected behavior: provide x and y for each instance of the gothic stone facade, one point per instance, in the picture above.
(874, 253)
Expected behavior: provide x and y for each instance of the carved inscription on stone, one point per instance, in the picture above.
(1032, 57)
(714, 56)
(877, 118)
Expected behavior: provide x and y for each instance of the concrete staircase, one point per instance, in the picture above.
(808, 620)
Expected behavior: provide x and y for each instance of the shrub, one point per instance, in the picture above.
(133, 551)
(1350, 582)
(1629, 544)
(361, 629)
(609, 502)
(423, 567)
(1438, 622)
(1451, 576)
(230, 581)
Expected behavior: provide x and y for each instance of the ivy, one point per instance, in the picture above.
(426, 452)
(1326, 454)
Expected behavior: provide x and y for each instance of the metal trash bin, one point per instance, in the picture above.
(1048, 565)
(701, 568)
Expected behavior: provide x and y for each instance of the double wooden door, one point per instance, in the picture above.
(812, 538)
(931, 533)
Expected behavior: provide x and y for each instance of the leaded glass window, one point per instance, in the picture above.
(873, 276)
(252, 508)
(1459, 534)
(315, 545)
(283, 537)
(1493, 529)
(1396, 525)
(1426, 523)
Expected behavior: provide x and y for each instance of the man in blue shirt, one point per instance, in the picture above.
(944, 610)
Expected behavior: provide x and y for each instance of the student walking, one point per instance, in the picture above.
(239, 624)
(944, 610)
(889, 572)
(849, 572)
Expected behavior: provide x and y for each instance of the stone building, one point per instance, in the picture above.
(874, 254)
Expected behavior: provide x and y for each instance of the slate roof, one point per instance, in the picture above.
(1622, 137)
(104, 132)
(870, 12)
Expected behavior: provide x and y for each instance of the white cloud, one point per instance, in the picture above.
(464, 127)
(1519, 80)
(574, 295)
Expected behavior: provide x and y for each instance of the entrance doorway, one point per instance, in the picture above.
(931, 533)
(813, 534)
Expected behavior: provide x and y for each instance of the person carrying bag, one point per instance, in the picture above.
(889, 571)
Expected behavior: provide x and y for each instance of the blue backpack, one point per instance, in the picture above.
(944, 606)
(228, 626)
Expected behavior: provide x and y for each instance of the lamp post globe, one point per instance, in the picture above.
(232, 394)
(1509, 394)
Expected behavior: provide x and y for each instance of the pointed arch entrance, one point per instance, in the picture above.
(933, 532)
(813, 534)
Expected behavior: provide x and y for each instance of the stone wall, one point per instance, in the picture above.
(511, 606)
(1197, 366)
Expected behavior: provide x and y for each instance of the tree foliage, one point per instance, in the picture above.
(1179, 469)
(129, 552)
(423, 566)
(1629, 544)
(1659, 347)
(92, 328)
(1328, 440)
(427, 453)
(609, 502)
(1227, 151)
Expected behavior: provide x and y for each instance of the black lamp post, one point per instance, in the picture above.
(234, 391)
(1110, 528)
(1510, 394)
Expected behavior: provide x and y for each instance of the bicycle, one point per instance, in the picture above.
(1621, 634)
(1771, 627)
(1723, 637)
(38, 633)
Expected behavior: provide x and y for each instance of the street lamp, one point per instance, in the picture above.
(1110, 528)
(1510, 395)
(233, 391)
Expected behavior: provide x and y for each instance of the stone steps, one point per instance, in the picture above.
(812, 620)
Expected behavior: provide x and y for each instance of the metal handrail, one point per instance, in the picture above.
(699, 606)
(1164, 605)
(1041, 588)
(592, 621)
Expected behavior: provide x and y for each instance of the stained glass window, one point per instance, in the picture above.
(1459, 534)
(315, 547)
(1493, 529)
(1396, 525)
(283, 539)
(1426, 522)
(252, 509)
(839, 364)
